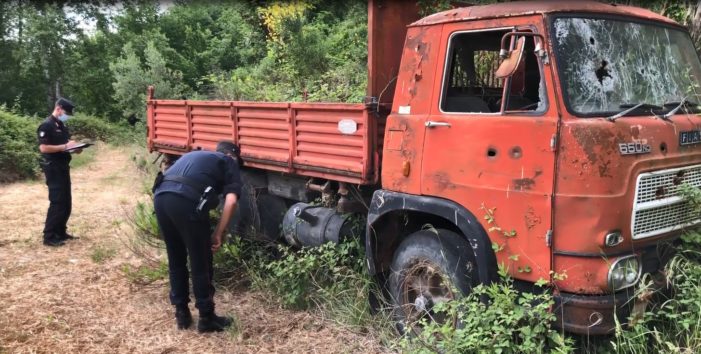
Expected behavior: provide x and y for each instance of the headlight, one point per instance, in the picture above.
(624, 272)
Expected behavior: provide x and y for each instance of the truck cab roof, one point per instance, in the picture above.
(521, 8)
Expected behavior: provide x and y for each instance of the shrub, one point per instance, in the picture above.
(89, 127)
(94, 128)
(19, 154)
(512, 322)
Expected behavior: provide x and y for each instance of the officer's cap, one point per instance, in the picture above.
(66, 105)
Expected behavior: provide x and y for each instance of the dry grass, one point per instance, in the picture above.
(61, 301)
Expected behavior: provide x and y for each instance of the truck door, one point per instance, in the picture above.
(489, 142)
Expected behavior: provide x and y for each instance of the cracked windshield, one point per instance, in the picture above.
(609, 65)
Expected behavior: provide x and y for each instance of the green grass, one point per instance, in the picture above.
(84, 158)
(101, 254)
(146, 274)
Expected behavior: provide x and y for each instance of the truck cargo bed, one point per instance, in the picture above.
(297, 138)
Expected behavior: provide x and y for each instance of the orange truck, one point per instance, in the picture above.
(551, 139)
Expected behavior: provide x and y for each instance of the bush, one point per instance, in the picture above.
(87, 127)
(93, 128)
(513, 322)
(19, 154)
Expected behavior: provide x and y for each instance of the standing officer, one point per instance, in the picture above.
(182, 200)
(53, 141)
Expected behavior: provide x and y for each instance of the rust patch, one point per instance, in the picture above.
(598, 144)
(419, 52)
(526, 183)
(442, 181)
(604, 169)
(531, 218)
(635, 131)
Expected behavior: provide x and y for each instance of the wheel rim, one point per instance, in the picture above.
(425, 286)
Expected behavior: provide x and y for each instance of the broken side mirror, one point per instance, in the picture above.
(512, 58)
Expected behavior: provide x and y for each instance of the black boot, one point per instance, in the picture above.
(183, 317)
(52, 240)
(213, 323)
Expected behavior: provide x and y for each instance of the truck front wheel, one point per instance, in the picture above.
(430, 267)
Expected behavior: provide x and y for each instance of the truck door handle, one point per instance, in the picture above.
(431, 124)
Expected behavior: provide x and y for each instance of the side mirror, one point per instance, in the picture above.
(511, 59)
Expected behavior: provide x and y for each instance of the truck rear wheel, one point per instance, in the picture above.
(429, 267)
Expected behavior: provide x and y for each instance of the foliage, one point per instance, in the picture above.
(101, 254)
(302, 278)
(145, 274)
(88, 127)
(144, 221)
(313, 50)
(132, 80)
(496, 319)
(19, 155)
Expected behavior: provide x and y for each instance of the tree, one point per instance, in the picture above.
(132, 79)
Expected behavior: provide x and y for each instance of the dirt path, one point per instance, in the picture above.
(62, 300)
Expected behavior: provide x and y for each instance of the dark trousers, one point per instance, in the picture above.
(186, 233)
(58, 179)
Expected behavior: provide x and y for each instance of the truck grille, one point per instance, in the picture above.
(659, 206)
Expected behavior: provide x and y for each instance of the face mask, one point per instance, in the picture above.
(63, 117)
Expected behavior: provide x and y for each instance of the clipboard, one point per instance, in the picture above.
(78, 146)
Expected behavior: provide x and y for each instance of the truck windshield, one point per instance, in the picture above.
(607, 64)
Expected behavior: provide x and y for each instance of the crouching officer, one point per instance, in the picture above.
(183, 196)
(54, 139)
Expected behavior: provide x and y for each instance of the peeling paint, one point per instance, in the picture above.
(599, 145)
(531, 218)
(442, 181)
(526, 183)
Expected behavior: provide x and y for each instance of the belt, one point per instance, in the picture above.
(199, 187)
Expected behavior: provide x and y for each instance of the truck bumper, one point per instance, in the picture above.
(598, 314)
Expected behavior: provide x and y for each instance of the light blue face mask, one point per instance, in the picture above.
(63, 117)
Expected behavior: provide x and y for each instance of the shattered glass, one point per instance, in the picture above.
(607, 63)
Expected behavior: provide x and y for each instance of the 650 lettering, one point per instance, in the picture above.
(634, 148)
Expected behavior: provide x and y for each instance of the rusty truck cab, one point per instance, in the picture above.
(542, 171)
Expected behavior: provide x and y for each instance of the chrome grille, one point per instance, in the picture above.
(659, 206)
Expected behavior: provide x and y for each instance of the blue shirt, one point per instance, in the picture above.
(206, 168)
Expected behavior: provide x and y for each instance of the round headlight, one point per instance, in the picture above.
(624, 272)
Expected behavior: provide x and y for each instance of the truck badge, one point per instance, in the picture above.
(689, 137)
(634, 148)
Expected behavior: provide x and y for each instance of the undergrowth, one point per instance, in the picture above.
(332, 280)
(495, 319)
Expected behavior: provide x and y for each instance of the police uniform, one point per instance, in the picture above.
(56, 168)
(187, 231)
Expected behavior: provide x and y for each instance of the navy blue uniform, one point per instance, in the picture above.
(58, 178)
(187, 232)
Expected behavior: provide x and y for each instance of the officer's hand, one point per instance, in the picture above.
(216, 241)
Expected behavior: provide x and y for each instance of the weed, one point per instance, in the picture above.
(496, 319)
(101, 254)
(145, 274)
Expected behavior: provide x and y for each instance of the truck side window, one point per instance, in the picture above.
(470, 85)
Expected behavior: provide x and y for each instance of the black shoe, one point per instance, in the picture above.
(68, 237)
(53, 242)
(213, 323)
(183, 317)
